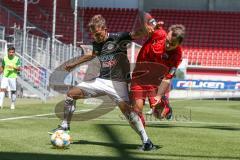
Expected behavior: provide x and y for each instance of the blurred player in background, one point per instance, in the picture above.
(10, 68)
(111, 50)
(159, 57)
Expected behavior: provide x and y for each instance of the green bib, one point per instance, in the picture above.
(9, 72)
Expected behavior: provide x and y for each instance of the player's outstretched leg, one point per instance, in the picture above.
(69, 108)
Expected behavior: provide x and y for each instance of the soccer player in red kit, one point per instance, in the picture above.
(171, 59)
(156, 64)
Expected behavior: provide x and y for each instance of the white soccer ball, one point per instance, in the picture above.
(60, 139)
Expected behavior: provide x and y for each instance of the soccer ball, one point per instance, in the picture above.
(60, 139)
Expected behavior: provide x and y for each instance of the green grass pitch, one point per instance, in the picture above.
(200, 129)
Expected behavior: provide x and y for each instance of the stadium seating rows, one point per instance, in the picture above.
(204, 28)
(212, 57)
(212, 36)
(41, 16)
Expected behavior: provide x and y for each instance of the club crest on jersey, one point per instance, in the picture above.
(110, 46)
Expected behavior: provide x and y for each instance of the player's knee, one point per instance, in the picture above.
(75, 94)
(124, 106)
(137, 109)
(69, 100)
(3, 89)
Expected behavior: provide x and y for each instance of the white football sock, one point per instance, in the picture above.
(2, 95)
(137, 125)
(69, 108)
(64, 124)
(13, 97)
(9, 94)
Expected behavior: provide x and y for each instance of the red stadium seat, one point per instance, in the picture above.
(212, 32)
(212, 36)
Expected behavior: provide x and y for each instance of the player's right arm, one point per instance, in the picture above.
(149, 25)
(84, 58)
(2, 66)
(1, 69)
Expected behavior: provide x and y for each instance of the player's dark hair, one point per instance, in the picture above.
(178, 30)
(11, 48)
(97, 21)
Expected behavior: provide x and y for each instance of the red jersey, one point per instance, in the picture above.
(147, 69)
(171, 59)
(153, 63)
(153, 46)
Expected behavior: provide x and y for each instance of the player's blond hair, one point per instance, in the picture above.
(97, 21)
(178, 30)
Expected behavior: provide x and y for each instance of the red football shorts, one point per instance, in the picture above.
(143, 92)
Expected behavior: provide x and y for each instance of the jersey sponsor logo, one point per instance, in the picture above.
(201, 84)
(109, 63)
(113, 46)
(106, 57)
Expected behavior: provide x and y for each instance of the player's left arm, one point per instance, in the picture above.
(165, 84)
(18, 65)
(164, 87)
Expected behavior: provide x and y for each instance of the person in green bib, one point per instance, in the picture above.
(10, 69)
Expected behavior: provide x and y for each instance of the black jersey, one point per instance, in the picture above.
(112, 55)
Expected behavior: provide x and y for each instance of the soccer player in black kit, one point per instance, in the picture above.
(111, 51)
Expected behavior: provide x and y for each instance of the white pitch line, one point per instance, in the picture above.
(117, 120)
(34, 116)
(122, 120)
(26, 117)
(49, 114)
(172, 122)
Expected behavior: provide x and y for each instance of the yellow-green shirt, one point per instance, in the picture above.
(14, 62)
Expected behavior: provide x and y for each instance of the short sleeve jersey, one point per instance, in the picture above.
(112, 55)
(146, 71)
(153, 47)
(172, 58)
